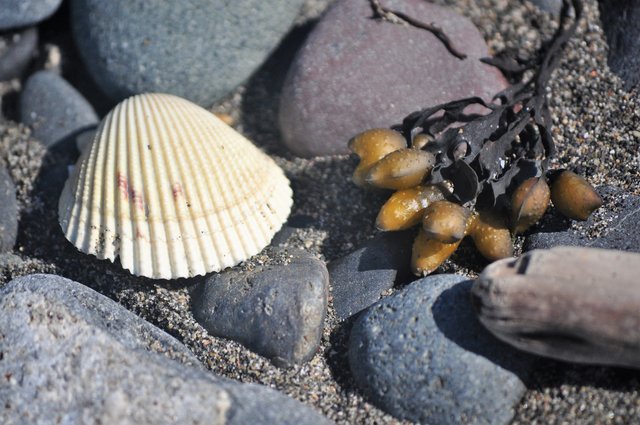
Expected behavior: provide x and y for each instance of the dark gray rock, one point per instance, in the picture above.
(199, 50)
(621, 25)
(616, 225)
(8, 212)
(20, 13)
(16, 50)
(422, 355)
(571, 303)
(55, 111)
(277, 311)
(71, 355)
(358, 279)
(354, 73)
(51, 180)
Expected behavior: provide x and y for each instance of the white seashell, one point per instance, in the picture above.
(173, 191)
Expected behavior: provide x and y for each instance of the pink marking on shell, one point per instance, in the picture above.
(176, 190)
(123, 185)
(140, 235)
(129, 193)
(138, 201)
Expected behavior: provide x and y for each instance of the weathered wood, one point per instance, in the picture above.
(571, 303)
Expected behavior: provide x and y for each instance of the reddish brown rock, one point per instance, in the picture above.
(355, 72)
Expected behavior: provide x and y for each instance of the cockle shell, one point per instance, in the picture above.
(173, 191)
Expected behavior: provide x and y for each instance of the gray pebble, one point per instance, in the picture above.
(354, 73)
(8, 260)
(56, 112)
(199, 49)
(570, 303)
(20, 13)
(552, 6)
(276, 311)
(8, 212)
(16, 51)
(422, 355)
(621, 24)
(615, 223)
(71, 355)
(359, 278)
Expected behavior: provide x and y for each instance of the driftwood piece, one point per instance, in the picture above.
(570, 303)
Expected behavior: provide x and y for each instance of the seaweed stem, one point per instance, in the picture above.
(396, 17)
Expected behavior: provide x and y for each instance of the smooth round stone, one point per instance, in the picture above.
(16, 50)
(20, 13)
(276, 311)
(199, 50)
(422, 355)
(359, 278)
(8, 212)
(55, 111)
(621, 25)
(71, 356)
(621, 213)
(354, 73)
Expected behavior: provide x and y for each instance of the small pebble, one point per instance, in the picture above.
(570, 303)
(422, 355)
(354, 73)
(552, 6)
(8, 212)
(20, 13)
(274, 310)
(71, 355)
(55, 111)
(16, 51)
(199, 49)
(359, 278)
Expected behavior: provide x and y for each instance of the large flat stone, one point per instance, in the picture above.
(71, 355)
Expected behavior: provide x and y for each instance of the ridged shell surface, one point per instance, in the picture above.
(173, 191)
